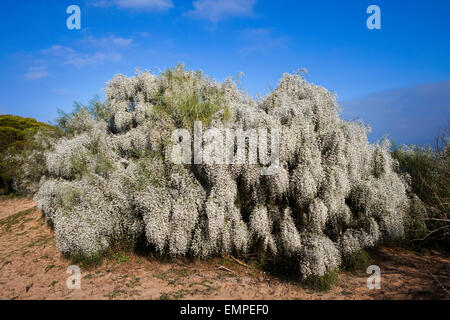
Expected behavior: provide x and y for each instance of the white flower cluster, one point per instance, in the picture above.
(334, 192)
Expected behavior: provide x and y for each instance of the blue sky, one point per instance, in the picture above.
(45, 66)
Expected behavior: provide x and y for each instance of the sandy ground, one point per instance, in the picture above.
(31, 268)
(11, 206)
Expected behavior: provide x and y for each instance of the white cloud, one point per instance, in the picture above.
(121, 42)
(216, 10)
(36, 72)
(145, 34)
(72, 57)
(108, 41)
(150, 5)
(87, 51)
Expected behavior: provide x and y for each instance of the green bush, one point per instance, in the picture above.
(14, 131)
(16, 144)
(323, 283)
(357, 261)
(429, 172)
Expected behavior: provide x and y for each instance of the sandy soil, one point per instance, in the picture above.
(10, 206)
(31, 268)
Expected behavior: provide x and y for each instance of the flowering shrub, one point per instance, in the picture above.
(112, 180)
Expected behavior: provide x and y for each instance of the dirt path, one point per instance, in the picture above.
(31, 268)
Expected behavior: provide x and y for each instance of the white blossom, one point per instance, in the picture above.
(334, 192)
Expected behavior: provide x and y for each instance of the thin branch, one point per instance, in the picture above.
(437, 280)
(225, 269)
(431, 232)
(240, 262)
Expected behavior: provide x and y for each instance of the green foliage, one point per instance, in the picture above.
(85, 261)
(323, 283)
(49, 267)
(10, 137)
(357, 261)
(429, 171)
(422, 164)
(16, 145)
(116, 254)
(120, 258)
(13, 130)
(185, 103)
